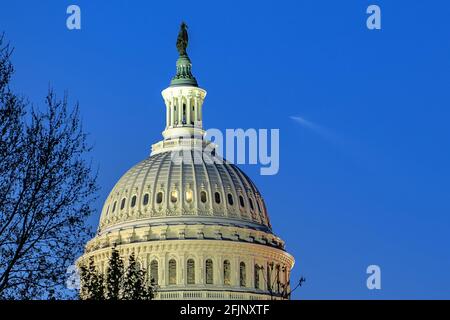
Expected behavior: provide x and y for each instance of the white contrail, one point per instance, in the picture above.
(320, 130)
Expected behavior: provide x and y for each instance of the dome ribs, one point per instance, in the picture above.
(158, 173)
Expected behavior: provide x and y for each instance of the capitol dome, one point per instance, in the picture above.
(160, 191)
(195, 222)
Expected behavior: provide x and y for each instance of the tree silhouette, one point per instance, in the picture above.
(46, 191)
(134, 283)
(114, 275)
(119, 283)
(91, 282)
(274, 285)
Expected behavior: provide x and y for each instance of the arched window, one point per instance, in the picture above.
(226, 273)
(203, 196)
(154, 272)
(174, 196)
(133, 201)
(242, 274)
(259, 207)
(241, 201)
(172, 271)
(256, 276)
(145, 201)
(230, 199)
(209, 271)
(217, 197)
(107, 210)
(190, 271)
(114, 206)
(159, 197)
(251, 203)
(122, 204)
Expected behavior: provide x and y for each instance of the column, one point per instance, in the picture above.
(200, 117)
(198, 266)
(182, 271)
(251, 273)
(195, 110)
(167, 114)
(216, 271)
(180, 110)
(172, 112)
(235, 272)
(165, 269)
(188, 111)
(202, 269)
(220, 270)
(262, 275)
(287, 279)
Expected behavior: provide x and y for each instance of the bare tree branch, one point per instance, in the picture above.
(47, 188)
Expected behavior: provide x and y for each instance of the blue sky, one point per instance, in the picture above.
(370, 186)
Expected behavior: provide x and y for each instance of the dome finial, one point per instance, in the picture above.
(184, 75)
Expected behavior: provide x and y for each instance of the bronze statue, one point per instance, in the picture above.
(182, 40)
